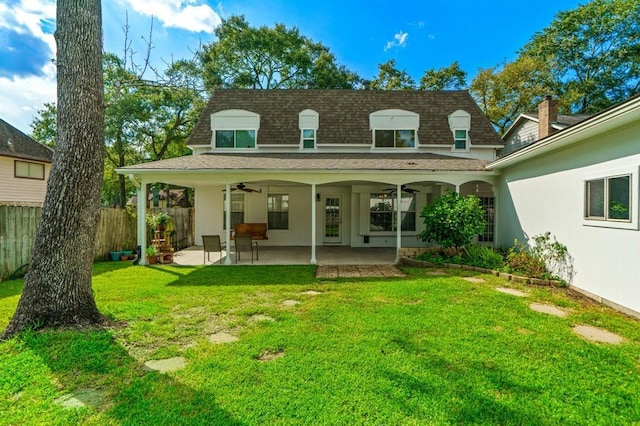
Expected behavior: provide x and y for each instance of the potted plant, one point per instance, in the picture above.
(128, 251)
(115, 255)
(160, 222)
(152, 255)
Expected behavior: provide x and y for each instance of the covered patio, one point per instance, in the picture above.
(292, 255)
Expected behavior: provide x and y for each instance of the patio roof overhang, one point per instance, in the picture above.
(229, 168)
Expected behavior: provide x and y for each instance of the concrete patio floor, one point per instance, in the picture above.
(272, 255)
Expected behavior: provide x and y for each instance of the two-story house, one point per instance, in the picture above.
(24, 167)
(329, 167)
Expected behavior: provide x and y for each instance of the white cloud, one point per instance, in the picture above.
(399, 40)
(24, 96)
(183, 14)
(28, 17)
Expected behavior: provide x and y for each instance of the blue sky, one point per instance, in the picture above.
(417, 34)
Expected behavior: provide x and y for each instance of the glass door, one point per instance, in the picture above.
(332, 220)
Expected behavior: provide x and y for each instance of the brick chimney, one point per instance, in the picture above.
(547, 114)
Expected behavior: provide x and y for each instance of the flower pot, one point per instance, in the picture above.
(115, 255)
(152, 260)
(124, 257)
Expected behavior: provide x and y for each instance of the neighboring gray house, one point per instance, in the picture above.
(531, 127)
(24, 167)
(329, 167)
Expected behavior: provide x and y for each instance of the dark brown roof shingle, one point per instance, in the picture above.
(344, 114)
(14, 143)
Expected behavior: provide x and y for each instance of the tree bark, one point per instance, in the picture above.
(57, 291)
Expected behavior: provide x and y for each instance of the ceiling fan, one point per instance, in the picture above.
(404, 188)
(242, 187)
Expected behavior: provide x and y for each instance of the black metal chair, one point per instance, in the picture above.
(245, 243)
(212, 243)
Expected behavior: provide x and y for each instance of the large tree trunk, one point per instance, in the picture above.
(57, 289)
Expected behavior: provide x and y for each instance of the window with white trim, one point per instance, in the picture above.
(609, 198)
(460, 137)
(235, 138)
(488, 207)
(395, 138)
(383, 208)
(278, 211)
(308, 138)
(237, 210)
(29, 170)
(460, 124)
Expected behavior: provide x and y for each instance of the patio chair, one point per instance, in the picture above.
(212, 243)
(245, 243)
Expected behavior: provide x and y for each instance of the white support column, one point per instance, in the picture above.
(458, 189)
(398, 221)
(142, 222)
(313, 260)
(227, 231)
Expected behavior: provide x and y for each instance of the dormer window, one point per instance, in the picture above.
(235, 129)
(308, 123)
(394, 128)
(460, 124)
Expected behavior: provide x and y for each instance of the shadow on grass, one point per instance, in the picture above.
(246, 275)
(132, 395)
(11, 288)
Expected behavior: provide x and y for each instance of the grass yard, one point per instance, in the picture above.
(424, 349)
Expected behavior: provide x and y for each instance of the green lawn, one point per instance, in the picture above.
(418, 350)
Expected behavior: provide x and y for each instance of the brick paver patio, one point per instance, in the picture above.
(354, 271)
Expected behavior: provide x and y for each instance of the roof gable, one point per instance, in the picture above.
(14, 143)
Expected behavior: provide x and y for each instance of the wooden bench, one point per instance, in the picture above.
(258, 231)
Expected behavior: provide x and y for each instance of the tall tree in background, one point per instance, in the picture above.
(391, 78)
(269, 58)
(57, 290)
(448, 78)
(505, 92)
(592, 54)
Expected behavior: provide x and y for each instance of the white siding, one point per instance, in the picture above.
(19, 190)
(525, 134)
(547, 194)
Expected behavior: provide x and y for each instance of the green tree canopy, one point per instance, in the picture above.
(448, 78)
(391, 78)
(269, 58)
(592, 54)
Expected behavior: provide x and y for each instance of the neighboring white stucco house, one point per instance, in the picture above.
(581, 184)
(329, 167)
(24, 168)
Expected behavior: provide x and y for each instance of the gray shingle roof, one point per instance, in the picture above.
(564, 120)
(314, 162)
(344, 114)
(14, 143)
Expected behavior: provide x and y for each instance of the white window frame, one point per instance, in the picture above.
(394, 213)
(460, 120)
(224, 208)
(303, 139)
(308, 120)
(606, 222)
(279, 194)
(30, 168)
(235, 138)
(456, 139)
(396, 120)
(234, 120)
(395, 138)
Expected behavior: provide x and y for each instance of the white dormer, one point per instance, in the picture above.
(460, 124)
(234, 128)
(308, 123)
(394, 128)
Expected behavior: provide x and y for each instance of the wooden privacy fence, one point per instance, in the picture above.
(116, 231)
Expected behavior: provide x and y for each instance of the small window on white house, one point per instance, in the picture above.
(460, 124)
(29, 170)
(237, 210)
(460, 139)
(235, 138)
(278, 211)
(308, 138)
(608, 199)
(383, 212)
(395, 138)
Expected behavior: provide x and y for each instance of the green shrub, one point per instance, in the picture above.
(483, 256)
(522, 262)
(453, 221)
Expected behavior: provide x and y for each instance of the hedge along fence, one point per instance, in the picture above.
(116, 231)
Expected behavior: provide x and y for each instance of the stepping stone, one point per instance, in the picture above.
(511, 291)
(222, 338)
(81, 398)
(270, 356)
(474, 279)
(548, 309)
(290, 303)
(261, 317)
(167, 364)
(311, 292)
(596, 334)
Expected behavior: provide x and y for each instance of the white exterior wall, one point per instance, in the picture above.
(547, 194)
(20, 190)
